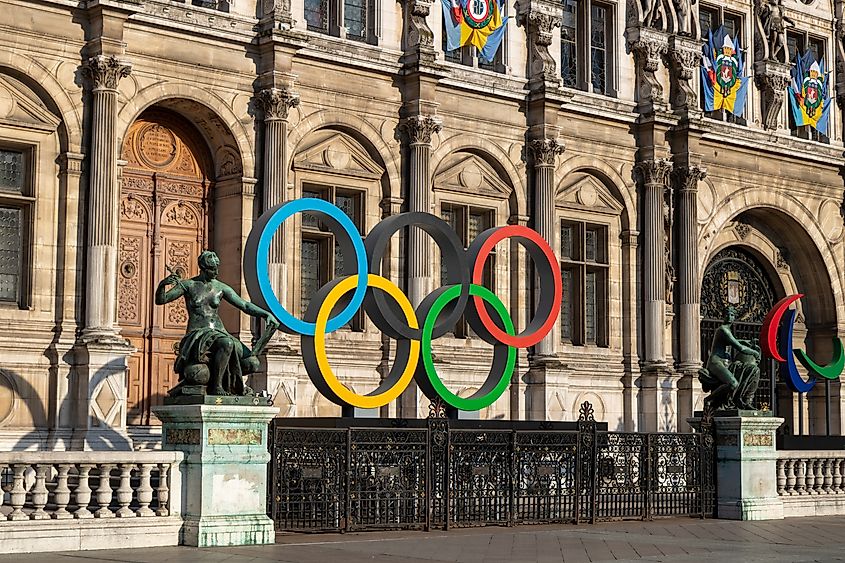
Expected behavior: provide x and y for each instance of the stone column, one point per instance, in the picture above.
(689, 292)
(544, 154)
(540, 18)
(279, 369)
(275, 104)
(100, 355)
(419, 129)
(104, 74)
(654, 174)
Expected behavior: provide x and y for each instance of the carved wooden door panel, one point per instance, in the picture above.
(163, 211)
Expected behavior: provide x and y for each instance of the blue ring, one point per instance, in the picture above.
(268, 224)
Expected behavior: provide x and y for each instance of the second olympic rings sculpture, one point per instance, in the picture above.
(392, 312)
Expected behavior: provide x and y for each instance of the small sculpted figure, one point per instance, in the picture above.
(774, 21)
(210, 357)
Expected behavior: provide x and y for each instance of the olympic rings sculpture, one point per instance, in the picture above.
(392, 312)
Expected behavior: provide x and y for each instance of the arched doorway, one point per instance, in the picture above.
(163, 224)
(735, 278)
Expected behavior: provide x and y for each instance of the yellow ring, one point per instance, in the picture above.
(339, 389)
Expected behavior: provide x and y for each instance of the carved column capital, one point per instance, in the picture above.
(276, 103)
(544, 152)
(105, 72)
(683, 58)
(687, 177)
(654, 171)
(540, 18)
(420, 128)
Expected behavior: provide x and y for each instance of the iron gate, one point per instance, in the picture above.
(333, 475)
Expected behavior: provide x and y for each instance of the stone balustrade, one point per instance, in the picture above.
(811, 483)
(78, 500)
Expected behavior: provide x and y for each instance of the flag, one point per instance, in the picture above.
(474, 22)
(722, 73)
(809, 95)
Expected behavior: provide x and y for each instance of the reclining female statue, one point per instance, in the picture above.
(210, 358)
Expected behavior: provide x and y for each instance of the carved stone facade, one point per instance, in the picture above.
(133, 172)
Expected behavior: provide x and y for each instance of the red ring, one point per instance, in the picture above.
(502, 233)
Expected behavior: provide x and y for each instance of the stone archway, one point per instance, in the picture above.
(164, 211)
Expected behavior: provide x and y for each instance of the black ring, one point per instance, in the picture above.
(385, 314)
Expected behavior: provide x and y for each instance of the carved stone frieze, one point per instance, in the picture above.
(276, 103)
(540, 19)
(420, 128)
(544, 152)
(772, 78)
(105, 72)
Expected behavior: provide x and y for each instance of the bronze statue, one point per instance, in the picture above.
(730, 383)
(211, 361)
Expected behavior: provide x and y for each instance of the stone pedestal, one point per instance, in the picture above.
(225, 471)
(746, 466)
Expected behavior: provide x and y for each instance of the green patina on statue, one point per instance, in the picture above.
(731, 383)
(211, 361)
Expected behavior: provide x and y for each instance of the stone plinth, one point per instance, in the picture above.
(224, 473)
(746, 466)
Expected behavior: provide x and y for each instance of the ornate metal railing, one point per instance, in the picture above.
(337, 474)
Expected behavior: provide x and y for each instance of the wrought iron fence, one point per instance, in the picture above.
(337, 475)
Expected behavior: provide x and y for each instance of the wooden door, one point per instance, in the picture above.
(163, 222)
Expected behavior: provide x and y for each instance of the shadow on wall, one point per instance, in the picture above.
(24, 395)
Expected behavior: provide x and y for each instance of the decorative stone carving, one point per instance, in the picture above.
(544, 151)
(684, 60)
(128, 282)
(420, 36)
(275, 103)
(839, 50)
(280, 11)
(420, 128)
(540, 20)
(654, 171)
(743, 230)
(649, 48)
(180, 214)
(105, 72)
(772, 78)
(771, 23)
(668, 222)
(690, 176)
(132, 209)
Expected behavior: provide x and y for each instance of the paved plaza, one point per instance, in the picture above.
(791, 540)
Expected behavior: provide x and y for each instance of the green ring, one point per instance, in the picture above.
(472, 403)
